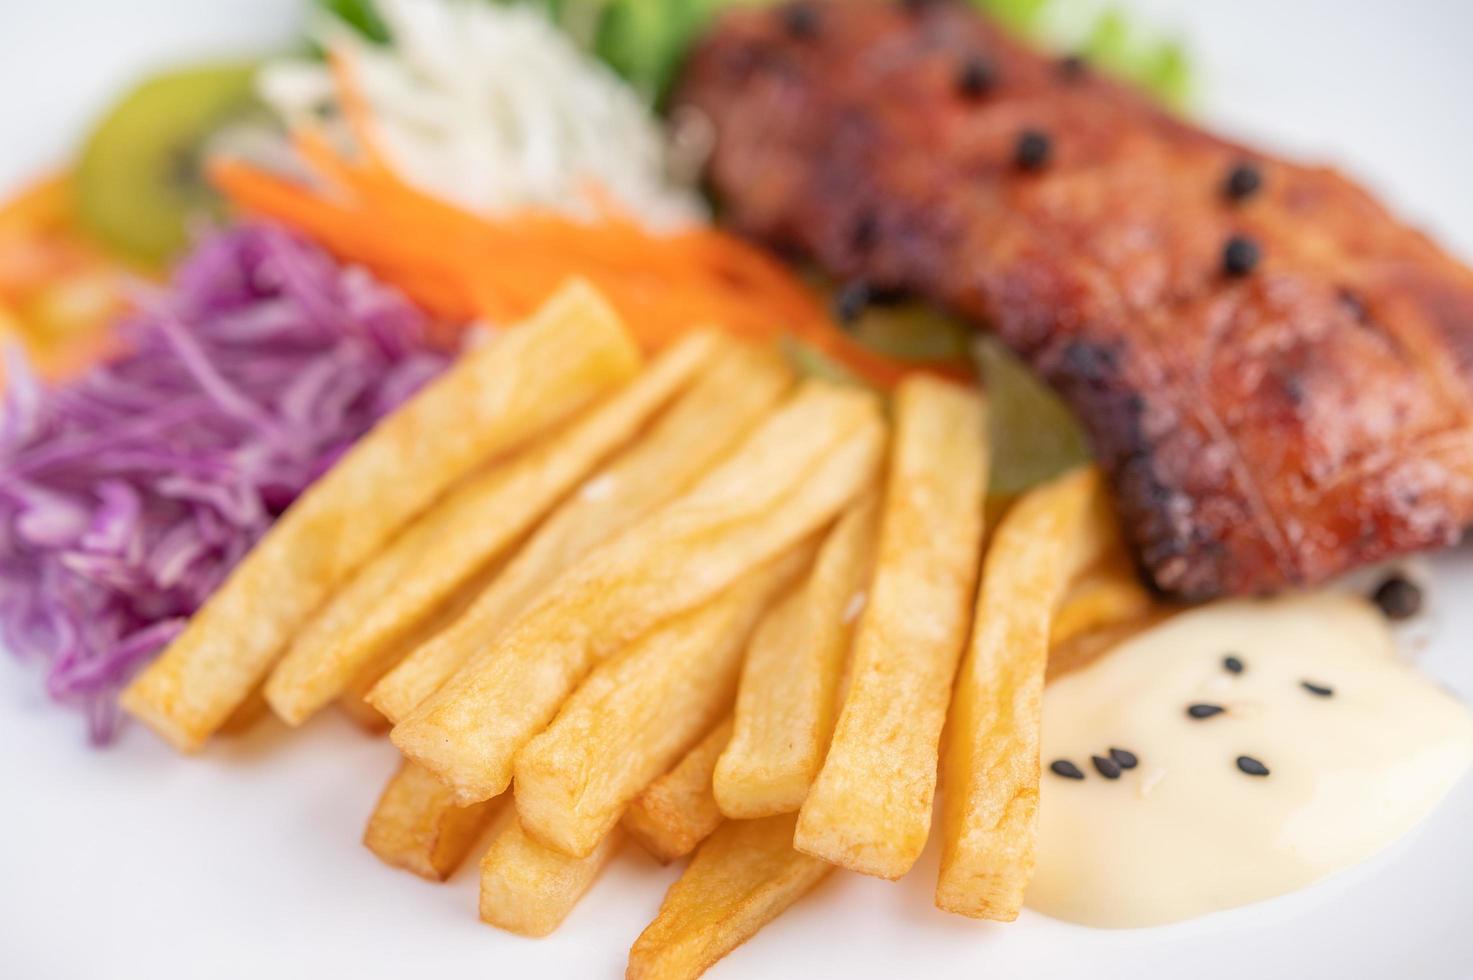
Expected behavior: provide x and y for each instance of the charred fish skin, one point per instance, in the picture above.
(1274, 371)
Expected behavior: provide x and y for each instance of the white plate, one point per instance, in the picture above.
(245, 862)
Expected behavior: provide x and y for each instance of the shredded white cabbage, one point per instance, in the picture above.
(494, 108)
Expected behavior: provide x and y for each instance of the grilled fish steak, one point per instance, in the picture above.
(1265, 424)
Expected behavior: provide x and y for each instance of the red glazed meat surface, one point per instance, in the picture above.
(1263, 427)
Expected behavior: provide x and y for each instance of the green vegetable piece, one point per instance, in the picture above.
(1034, 435)
(1114, 43)
(1022, 16)
(914, 332)
(361, 15)
(639, 38)
(646, 41)
(810, 362)
(1108, 44)
(140, 178)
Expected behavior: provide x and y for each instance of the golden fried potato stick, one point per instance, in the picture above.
(360, 712)
(678, 811)
(529, 888)
(353, 701)
(870, 808)
(417, 827)
(1106, 595)
(246, 714)
(491, 401)
(639, 711)
(745, 875)
(1083, 649)
(364, 625)
(789, 478)
(719, 409)
(989, 813)
(788, 698)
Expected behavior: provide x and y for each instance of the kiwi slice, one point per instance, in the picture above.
(141, 177)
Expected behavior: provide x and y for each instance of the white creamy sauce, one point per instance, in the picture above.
(1186, 831)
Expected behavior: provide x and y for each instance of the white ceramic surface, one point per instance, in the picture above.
(245, 861)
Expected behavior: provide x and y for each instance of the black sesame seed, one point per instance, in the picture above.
(975, 77)
(1252, 766)
(800, 20)
(1233, 664)
(1033, 150)
(1243, 181)
(1240, 256)
(1200, 711)
(1106, 766)
(1318, 690)
(1073, 67)
(1065, 768)
(850, 301)
(1398, 597)
(1124, 759)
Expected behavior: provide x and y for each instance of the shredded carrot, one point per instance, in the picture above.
(462, 266)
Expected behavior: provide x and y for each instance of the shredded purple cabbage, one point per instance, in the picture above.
(127, 494)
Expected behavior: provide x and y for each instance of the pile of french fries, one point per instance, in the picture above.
(696, 603)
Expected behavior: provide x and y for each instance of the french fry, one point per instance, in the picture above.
(720, 408)
(246, 714)
(1106, 595)
(989, 815)
(360, 712)
(440, 831)
(491, 401)
(870, 808)
(678, 811)
(638, 712)
(417, 827)
(788, 697)
(790, 477)
(364, 624)
(353, 701)
(745, 875)
(1083, 649)
(528, 888)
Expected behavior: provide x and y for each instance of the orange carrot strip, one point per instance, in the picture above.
(461, 265)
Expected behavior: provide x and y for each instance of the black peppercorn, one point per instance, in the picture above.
(1239, 256)
(1398, 597)
(1243, 181)
(975, 77)
(800, 20)
(1033, 150)
(1073, 67)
